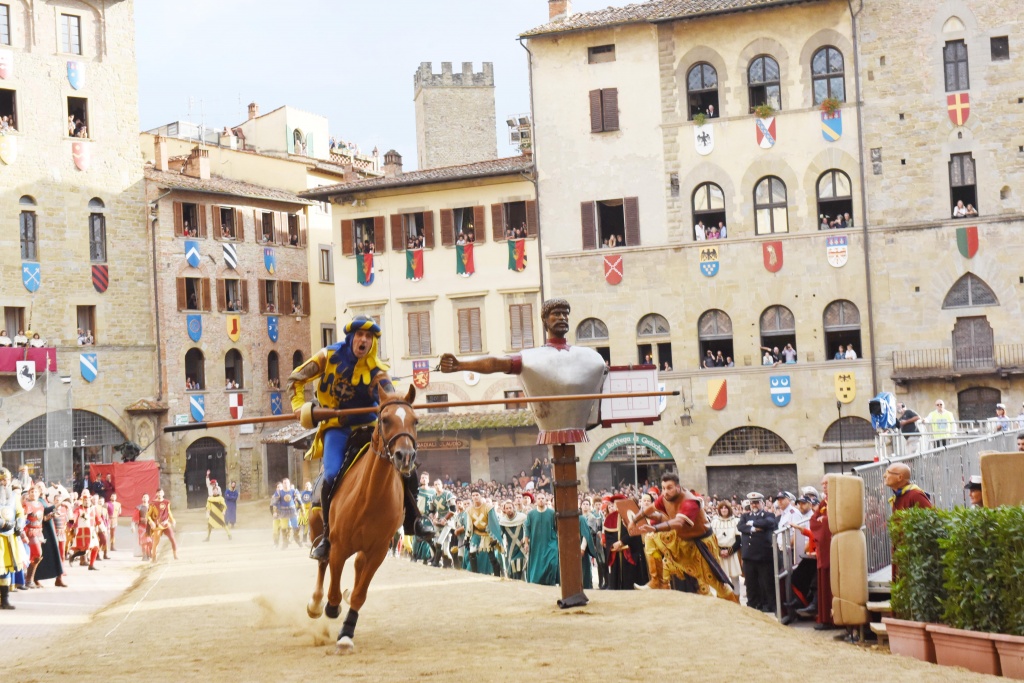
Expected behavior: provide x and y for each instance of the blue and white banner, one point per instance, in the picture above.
(780, 389)
(31, 276)
(197, 406)
(231, 256)
(89, 366)
(275, 403)
(272, 327)
(192, 253)
(195, 327)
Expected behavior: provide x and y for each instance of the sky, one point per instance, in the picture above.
(204, 60)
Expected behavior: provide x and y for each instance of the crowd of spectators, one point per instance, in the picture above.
(7, 125)
(713, 232)
(22, 339)
(961, 211)
(77, 127)
(520, 232)
(717, 359)
(840, 221)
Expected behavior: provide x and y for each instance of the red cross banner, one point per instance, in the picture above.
(959, 107)
(613, 269)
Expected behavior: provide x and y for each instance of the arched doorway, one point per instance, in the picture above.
(57, 448)
(738, 480)
(204, 454)
(977, 403)
(627, 458)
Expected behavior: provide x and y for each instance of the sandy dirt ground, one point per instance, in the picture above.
(235, 611)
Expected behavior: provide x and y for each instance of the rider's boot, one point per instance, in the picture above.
(322, 550)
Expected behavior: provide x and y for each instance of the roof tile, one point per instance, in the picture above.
(218, 185)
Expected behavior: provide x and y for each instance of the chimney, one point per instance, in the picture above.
(198, 164)
(559, 10)
(254, 110)
(160, 153)
(392, 164)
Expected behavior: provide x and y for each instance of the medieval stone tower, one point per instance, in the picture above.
(454, 115)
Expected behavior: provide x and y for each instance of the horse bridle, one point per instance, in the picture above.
(386, 451)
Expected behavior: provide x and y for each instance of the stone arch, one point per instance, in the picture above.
(953, 25)
(796, 196)
(497, 389)
(774, 49)
(830, 158)
(853, 429)
(703, 53)
(751, 440)
(449, 388)
(824, 38)
(708, 172)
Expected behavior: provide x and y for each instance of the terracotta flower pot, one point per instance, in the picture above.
(909, 639)
(973, 650)
(1011, 654)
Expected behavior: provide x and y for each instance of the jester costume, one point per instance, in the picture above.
(11, 522)
(421, 549)
(305, 505)
(345, 381)
(513, 535)
(285, 504)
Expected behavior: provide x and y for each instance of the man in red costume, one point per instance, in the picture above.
(821, 608)
(905, 494)
(162, 523)
(86, 539)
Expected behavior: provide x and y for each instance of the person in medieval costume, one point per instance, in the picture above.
(144, 527)
(215, 509)
(627, 564)
(51, 566)
(483, 539)
(594, 519)
(12, 520)
(351, 375)
(305, 505)
(442, 510)
(513, 540)
(542, 543)
(162, 523)
(86, 539)
(589, 545)
(285, 506)
(421, 547)
(231, 500)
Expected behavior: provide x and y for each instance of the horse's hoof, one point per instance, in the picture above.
(314, 609)
(345, 646)
(332, 611)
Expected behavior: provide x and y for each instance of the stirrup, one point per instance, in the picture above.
(321, 550)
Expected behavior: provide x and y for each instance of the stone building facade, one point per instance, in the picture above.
(454, 115)
(74, 207)
(233, 306)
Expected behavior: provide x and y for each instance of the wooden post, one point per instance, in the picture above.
(566, 486)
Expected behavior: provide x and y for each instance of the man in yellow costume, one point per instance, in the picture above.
(12, 520)
(350, 374)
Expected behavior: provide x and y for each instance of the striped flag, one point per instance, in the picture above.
(517, 255)
(464, 265)
(231, 256)
(414, 264)
(364, 269)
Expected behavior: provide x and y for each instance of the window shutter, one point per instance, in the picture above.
(498, 221)
(526, 314)
(531, 218)
(447, 227)
(302, 230)
(348, 237)
(596, 119)
(479, 227)
(201, 210)
(428, 229)
(414, 334)
(305, 298)
(284, 297)
(216, 222)
(465, 342)
(589, 224)
(261, 290)
(397, 238)
(631, 215)
(182, 298)
(610, 107)
(516, 325)
(425, 333)
(281, 227)
(475, 338)
(221, 296)
(257, 225)
(378, 235)
(239, 226)
(243, 289)
(205, 286)
(179, 222)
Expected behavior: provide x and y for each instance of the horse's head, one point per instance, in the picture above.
(397, 428)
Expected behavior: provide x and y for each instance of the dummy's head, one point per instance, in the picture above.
(555, 315)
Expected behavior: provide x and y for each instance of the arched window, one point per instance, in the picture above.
(702, 91)
(296, 359)
(97, 231)
(714, 331)
(749, 440)
(708, 210)
(234, 377)
(850, 429)
(770, 214)
(27, 221)
(841, 323)
(594, 331)
(763, 82)
(195, 370)
(778, 328)
(977, 403)
(827, 74)
(835, 200)
(969, 290)
(653, 346)
(273, 371)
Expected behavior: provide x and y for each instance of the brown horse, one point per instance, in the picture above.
(366, 510)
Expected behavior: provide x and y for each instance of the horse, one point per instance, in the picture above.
(368, 509)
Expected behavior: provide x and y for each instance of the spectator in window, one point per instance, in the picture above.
(824, 223)
(89, 339)
(5, 341)
(712, 233)
(840, 222)
(461, 240)
(721, 230)
(367, 247)
(709, 359)
(83, 132)
(850, 353)
(767, 358)
(774, 353)
(293, 240)
(620, 241)
(188, 383)
(719, 360)
(848, 220)
(711, 111)
(840, 354)
(270, 307)
(665, 367)
(789, 354)
(71, 126)
(81, 336)
(470, 234)
(20, 339)
(699, 232)
(36, 342)
(959, 211)
(729, 362)
(971, 211)
(509, 233)
(296, 309)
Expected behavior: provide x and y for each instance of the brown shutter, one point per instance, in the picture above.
(239, 226)
(465, 341)
(526, 314)
(475, 338)
(221, 297)
(205, 286)
(531, 218)
(610, 107)
(179, 222)
(479, 229)
(596, 119)
(243, 291)
(348, 237)
(182, 298)
(425, 333)
(281, 227)
(498, 221)
(414, 334)
(428, 229)
(257, 226)
(201, 210)
(516, 325)
(378, 235)
(588, 222)
(631, 215)
(305, 298)
(302, 230)
(397, 238)
(284, 297)
(216, 221)
(261, 287)
(447, 227)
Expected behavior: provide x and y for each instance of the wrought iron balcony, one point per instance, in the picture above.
(998, 359)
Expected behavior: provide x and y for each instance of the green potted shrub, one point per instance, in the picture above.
(764, 111)
(699, 119)
(1008, 566)
(917, 586)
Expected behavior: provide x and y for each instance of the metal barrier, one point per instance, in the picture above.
(891, 443)
(942, 472)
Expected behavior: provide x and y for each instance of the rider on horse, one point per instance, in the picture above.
(351, 375)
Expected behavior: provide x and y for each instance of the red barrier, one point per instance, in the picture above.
(131, 481)
(43, 357)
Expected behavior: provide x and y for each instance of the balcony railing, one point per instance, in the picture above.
(979, 359)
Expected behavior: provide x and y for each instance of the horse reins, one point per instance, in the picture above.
(386, 451)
